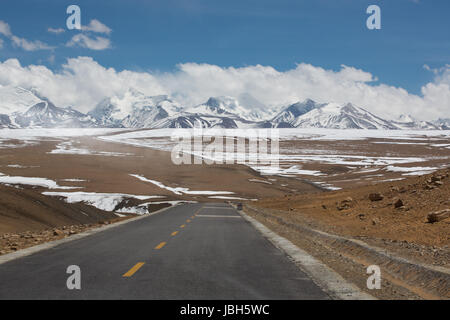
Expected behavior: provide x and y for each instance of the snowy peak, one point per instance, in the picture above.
(287, 117)
(404, 118)
(134, 109)
(409, 122)
(45, 114)
(225, 106)
(442, 124)
(134, 100)
(22, 108)
(104, 112)
(310, 114)
(336, 116)
(16, 99)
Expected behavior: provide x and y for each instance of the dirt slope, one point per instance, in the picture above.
(26, 209)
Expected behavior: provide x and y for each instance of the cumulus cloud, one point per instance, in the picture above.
(28, 45)
(55, 30)
(83, 82)
(195, 82)
(437, 93)
(96, 26)
(84, 41)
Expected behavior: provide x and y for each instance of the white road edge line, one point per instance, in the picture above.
(47, 245)
(327, 279)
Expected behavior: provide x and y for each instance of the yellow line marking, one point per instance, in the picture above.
(159, 246)
(182, 226)
(174, 233)
(134, 269)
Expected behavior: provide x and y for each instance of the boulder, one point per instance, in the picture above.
(58, 232)
(398, 203)
(376, 196)
(438, 215)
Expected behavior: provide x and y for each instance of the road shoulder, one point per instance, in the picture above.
(331, 282)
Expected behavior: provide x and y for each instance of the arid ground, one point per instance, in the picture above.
(324, 182)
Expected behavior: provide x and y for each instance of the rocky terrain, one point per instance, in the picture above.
(11, 242)
(402, 226)
(394, 211)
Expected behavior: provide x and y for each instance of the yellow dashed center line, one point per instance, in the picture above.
(138, 265)
(159, 246)
(134, 269)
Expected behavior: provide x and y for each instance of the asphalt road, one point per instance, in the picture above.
(192, 251)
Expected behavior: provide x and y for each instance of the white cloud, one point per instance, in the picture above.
(28, 45)
(96, 26)
(56, 30)
(83, 82)
(82, 40)
(5, 29)
(90, 42)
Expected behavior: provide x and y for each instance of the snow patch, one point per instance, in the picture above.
(231, 198)
(31, 181)
(102, 201)
(179, 190)
(68, 148)
(412, 171)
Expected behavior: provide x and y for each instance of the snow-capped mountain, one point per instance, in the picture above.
(310, 114)
(134, 110)
(220, 112)
(225, 106)
(442, 124)
(23, 108)
(289, 115)
(186, 120)
(16, 100)
(45, 114)
(409, 122)
(5, 122)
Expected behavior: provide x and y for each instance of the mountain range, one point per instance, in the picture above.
(23, 108)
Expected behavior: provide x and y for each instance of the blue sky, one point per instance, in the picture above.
(158, 35)
(265, 53)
